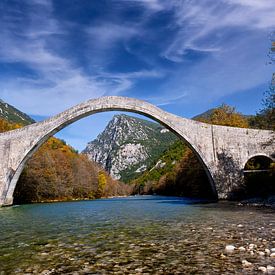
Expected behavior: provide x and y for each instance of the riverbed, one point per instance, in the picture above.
(136, 235)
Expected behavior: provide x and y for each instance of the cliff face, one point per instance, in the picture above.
(128, 145)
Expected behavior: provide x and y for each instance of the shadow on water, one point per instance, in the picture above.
(162, 199)
(184, 202)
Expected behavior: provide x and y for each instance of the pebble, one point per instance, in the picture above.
(267, 251)
(222, 256)
(229, 248)
(241, 248)
(246, 263)
(261, 253)
(240, 225)
(44, 254)
(262, 268)
(272, 255)
(270, 268)
(252, 246)
(272, 249)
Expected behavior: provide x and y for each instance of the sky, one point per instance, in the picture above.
(184, 56)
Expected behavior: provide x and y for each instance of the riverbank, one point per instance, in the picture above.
(77, 199)
(268, 202)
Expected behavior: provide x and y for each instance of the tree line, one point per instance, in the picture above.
(56, 172)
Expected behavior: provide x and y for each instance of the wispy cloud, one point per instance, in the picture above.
(176, 54)
(166, 99)
(230, 36)
(154, 5)
(196, 22)
(105, 34)
(188, 48)
(57, 82)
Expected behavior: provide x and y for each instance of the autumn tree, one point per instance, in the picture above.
(58, 172)
(101, 184)
(7, 126)
(227, 116)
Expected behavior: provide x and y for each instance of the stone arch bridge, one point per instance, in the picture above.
(223, 151)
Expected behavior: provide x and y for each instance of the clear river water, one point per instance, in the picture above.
(135, 235)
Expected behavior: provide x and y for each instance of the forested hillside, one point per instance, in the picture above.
(13, 115)
(7, 126)
(178, 172)
(58, 172)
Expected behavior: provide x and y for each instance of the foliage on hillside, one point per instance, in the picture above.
(157, 146)
(186, 177)
(13, 115)
(128, 145)
(162, 165)
(7, 126)
(227, 116)
(57, 172)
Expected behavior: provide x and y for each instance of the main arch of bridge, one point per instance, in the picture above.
(221, 150)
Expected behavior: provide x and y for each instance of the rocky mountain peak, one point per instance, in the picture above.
(127, 144)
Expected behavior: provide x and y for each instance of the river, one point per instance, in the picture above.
(135, 235)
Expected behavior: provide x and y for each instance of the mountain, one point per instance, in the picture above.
(164, 164)
(205, 115)
(11, 114)
(128, 146)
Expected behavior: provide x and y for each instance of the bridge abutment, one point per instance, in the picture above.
(6, 201)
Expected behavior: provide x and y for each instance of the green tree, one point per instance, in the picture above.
(265, 118)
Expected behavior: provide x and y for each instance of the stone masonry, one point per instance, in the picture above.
(223, 151)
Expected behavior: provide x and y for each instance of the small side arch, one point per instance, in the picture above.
(263, 158)
(259, 177)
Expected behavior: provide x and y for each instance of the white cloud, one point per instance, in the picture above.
(167, 99)
(198, 21)
(256, 4)
(154, 5)
(202, 26)
(108, 33)
(232, 34)
(57, 82)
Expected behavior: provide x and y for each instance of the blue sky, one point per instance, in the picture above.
(183, 56)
